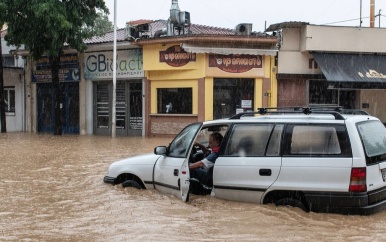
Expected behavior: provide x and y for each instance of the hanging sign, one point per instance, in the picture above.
(176, 56)
(235, 63)
(65, 74)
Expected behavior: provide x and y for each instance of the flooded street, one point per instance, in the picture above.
(52, 189)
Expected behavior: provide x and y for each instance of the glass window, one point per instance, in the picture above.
(373, 136)
(275, 141)
(9, 61)
(103, 105)
(182, 142)
(9, 99)
(203, 135)
(249, 139)
(231, 96)
(321, 94)
(315, 140)
(174, 100)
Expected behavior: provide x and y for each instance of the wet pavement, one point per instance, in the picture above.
(51, 189)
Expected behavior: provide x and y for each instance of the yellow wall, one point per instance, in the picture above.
(259, 95)
(273, 71)
(160, 71)
(208, 98)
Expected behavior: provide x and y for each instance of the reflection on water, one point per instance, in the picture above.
(51, 189)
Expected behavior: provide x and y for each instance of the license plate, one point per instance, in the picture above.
(383, 172)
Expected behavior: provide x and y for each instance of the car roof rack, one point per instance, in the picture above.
(332, 110)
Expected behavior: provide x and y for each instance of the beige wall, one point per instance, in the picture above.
(14, 77)
(343, 39)
(376, 100)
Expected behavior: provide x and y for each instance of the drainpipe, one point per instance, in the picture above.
(372, 16)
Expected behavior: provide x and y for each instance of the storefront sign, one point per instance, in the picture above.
(246, 103)
(65, 74)
(99, 65)
(65, 60)
(176, 56)
(235, 63)
(136, 123)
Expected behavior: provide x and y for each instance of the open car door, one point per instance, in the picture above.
(171, 171)
(184, 180)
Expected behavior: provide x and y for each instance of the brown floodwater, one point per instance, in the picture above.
(51, 189)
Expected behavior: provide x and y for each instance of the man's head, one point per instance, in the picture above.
(215, 139)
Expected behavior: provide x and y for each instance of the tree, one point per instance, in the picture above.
(46, 27)
(2, 104)
(102, 25)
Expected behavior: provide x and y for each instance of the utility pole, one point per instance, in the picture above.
(360, 14)
(113, 118)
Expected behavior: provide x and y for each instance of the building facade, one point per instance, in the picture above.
(331, 65)
(190, 82)
(163, 82)
(14, 87)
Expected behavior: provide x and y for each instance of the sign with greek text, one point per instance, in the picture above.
(65, 60)
(176, 56)
(65, 74)
(99, 65)
(235, 63)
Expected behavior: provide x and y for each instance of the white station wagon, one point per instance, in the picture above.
(317, 160)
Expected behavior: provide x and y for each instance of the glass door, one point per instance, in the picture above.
(102, 108)
(136, 119)
(232, 96)
(128, 108)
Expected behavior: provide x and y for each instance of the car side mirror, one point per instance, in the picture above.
(160, 150)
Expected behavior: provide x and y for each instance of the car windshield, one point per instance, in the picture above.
(373, 136)
(181, 143)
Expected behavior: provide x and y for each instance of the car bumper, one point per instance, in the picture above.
(345, 203)
(110, 180)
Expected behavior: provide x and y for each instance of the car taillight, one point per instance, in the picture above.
(358, 180)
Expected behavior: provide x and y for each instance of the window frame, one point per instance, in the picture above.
(8, 103)
(342, 135)
(370, 158)
(274, 127)
(185, 92)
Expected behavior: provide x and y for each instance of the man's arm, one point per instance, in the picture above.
(196, 165)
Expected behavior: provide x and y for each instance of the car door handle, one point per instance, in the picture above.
(175, 172)
(265, 172)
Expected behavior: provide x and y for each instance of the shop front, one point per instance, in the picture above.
(69, 77)
(186, 87)
(98, 72)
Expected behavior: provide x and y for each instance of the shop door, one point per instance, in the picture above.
(231, 96)
(135, 107)
(128, 108)
(69, 107)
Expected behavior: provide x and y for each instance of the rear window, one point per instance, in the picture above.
(373, 135)
(316, 140)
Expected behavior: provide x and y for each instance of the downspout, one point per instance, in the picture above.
(372, 16)
(24, 98)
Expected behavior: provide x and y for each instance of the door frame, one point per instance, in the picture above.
(127, 131)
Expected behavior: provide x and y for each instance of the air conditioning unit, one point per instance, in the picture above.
(243, 29)
(143, 27)
(131, 32)
(184, 18)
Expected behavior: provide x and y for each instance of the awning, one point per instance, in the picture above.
(227, 51)
(363, 68)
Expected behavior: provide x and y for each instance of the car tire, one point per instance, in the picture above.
(131, 183)
(289, 201)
